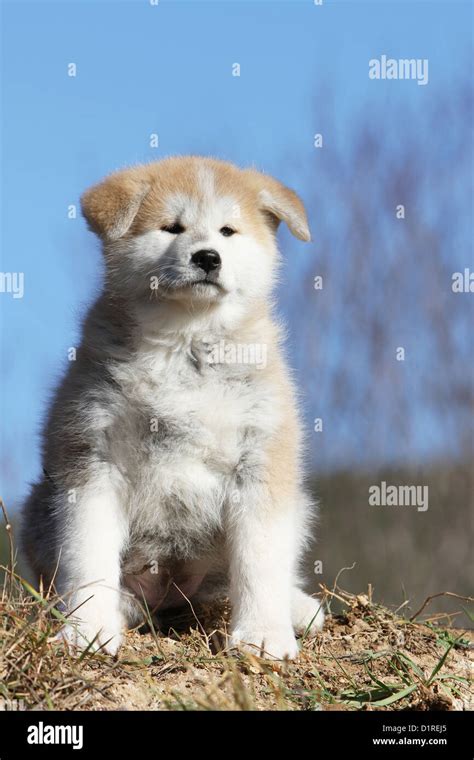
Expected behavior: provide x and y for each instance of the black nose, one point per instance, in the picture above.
(206, 259)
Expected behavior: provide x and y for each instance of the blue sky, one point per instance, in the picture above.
(167, 69)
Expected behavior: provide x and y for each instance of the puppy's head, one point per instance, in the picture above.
(192, 229)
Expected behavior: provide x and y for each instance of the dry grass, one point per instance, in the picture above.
(366, 658)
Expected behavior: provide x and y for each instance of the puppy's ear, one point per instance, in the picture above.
(111, 206)
(282, 205)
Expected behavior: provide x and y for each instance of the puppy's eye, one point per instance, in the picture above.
(227, 231)
(174, 229)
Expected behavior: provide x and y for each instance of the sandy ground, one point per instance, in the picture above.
(367, 658)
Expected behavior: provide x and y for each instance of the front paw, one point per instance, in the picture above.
(307, 613)
(275, 643)
(93, 633)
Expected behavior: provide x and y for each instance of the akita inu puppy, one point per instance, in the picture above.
(172, 449)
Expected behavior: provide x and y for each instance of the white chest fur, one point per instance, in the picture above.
(180, 427)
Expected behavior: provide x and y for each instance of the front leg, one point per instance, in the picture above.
(93, 531)
(262, 539)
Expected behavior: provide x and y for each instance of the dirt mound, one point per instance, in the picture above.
(365, 658)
